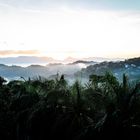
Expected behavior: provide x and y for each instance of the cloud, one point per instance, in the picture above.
(18, 52)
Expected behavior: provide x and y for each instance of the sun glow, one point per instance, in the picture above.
(66, 32)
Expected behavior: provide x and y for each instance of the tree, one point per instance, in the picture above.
(2, 81)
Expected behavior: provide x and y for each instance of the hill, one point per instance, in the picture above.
(130, 67)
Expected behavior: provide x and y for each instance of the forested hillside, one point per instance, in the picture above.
(131, 67)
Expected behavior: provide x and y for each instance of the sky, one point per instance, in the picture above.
(76, 28)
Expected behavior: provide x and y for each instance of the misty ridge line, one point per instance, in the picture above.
(44, 59)
(72, 71)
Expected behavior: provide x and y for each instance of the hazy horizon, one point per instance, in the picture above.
(68, 28)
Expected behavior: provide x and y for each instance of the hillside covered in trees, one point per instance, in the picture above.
(76, 70)
(44, 109)
(130, 66)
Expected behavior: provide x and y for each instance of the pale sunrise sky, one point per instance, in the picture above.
(76, 28)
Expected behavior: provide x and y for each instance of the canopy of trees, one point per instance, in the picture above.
(44, 109)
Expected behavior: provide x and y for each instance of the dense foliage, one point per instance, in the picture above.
(44, 109)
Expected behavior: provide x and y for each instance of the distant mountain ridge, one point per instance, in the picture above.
(73, 70)
(47, 60)
(83, 62)
(26, 59)
(35, 70)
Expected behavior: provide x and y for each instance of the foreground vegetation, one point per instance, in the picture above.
(43, 109)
